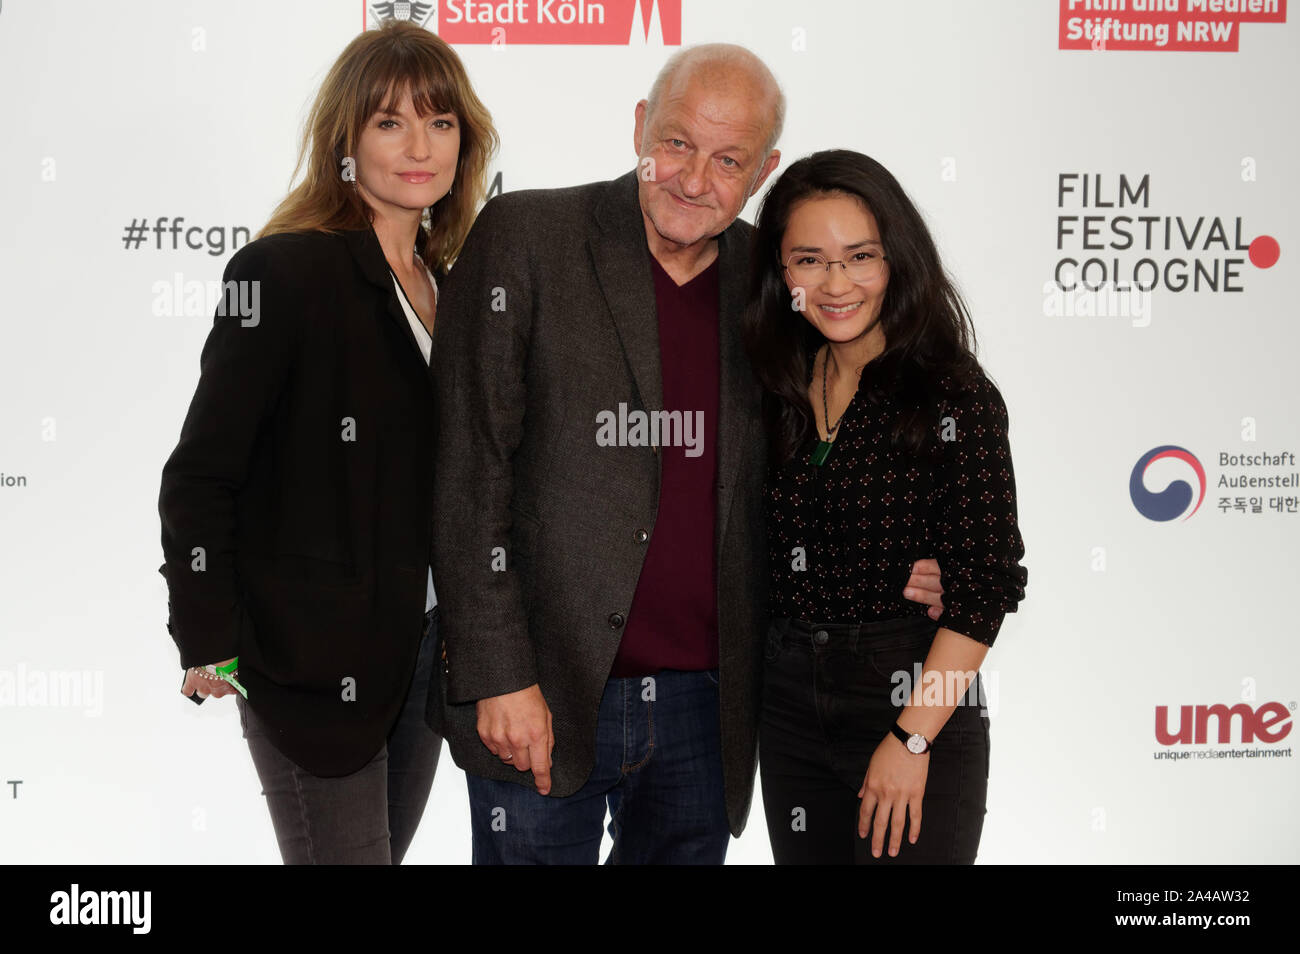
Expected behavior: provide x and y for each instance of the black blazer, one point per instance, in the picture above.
(296, 508)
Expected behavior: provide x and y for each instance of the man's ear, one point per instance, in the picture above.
(769, 164)
(638, 130)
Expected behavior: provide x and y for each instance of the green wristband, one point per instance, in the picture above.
(227, 671)
(235, 682)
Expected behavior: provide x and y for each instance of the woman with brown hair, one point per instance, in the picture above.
(295, 509)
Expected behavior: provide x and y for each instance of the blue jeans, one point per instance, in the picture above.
(368, 817)
(658, 768)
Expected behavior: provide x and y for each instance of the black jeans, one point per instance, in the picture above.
(830, 695)
(368, 817)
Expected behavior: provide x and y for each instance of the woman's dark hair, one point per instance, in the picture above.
(929, 340)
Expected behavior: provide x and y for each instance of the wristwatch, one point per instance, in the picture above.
(916, 742)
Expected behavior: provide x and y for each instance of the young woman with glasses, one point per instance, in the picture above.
(888, 444)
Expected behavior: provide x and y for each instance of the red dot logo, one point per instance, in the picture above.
(1264, 252)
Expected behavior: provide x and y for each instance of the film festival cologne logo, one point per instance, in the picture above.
(1241, 730)
(540, 22)
(1118, 244)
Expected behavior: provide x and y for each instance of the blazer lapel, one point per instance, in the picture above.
(738, 398)
(623, 273)
(369, 255)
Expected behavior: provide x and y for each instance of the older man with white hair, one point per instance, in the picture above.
(603, 589)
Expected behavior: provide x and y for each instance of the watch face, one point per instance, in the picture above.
(916, 743)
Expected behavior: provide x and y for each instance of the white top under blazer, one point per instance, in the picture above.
(425, 341)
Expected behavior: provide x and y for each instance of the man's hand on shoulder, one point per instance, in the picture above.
(923, 586)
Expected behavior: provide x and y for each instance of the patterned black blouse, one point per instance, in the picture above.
(866, 514)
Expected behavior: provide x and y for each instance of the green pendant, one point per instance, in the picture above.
(820, 453)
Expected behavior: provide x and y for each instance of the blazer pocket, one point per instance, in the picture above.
(311, 632)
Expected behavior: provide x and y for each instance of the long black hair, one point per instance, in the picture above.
(929, 339)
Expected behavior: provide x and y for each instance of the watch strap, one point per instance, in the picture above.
(903, 736)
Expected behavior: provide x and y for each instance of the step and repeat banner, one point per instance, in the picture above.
(1111, 184)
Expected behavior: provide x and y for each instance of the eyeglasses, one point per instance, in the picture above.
(861, 266)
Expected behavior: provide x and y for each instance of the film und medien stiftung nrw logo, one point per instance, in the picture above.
(1173, 501)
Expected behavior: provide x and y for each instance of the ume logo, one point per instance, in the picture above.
(1271, 722)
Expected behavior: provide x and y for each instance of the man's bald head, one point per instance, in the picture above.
(704, 140)
(722, 65)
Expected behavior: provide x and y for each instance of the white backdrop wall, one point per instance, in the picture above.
(134, 111)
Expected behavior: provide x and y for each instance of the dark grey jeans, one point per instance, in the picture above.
(368, 817)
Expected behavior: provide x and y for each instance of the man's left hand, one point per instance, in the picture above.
(924, 587)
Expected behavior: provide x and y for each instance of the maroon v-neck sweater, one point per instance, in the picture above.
(673, 622)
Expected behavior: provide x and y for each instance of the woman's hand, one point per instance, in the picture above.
(894, 786)
(207, 686)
